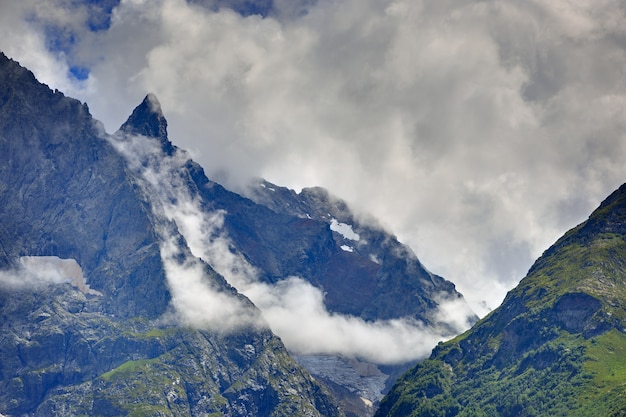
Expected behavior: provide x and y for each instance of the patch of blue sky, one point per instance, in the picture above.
(100, 14)
(265, 8)
(79, 73)
(244, 7)
(59, 39)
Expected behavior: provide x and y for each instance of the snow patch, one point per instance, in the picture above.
(347, 248)
(367, 402)
(360, 377)
(345, 230)
(266, 187)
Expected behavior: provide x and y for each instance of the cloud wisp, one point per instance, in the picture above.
(296, 312)
(197, 295)
(35, 272)
(478, 132)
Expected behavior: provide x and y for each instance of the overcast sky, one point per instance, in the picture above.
(476, 131)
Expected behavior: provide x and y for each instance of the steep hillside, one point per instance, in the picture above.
(555, 347)
(92, 315)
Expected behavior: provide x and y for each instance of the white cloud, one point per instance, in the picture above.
(296, 312)
(197, 297)
(478, 132)
(33, 272)
(23, 28)
(28, 276)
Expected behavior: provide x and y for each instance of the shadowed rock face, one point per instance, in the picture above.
(109, 345)
(364, 272)
(66, 193)
(574, 310)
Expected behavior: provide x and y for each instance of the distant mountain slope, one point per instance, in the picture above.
(555, 347)
(91, 317)
(366, 272)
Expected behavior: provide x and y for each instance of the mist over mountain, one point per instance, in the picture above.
(131, 283)
(556, 345)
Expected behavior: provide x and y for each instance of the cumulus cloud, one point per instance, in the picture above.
(43, 36)
(478, 132)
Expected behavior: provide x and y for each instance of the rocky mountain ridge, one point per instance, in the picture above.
(397, 284)
(160, 246)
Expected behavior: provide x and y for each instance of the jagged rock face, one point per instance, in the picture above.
(363, 270)
(554, 346)
(65, 193)
(110, 346)
(78, 362)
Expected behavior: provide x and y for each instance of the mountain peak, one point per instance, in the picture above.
(148, 120)
(153, 102)
(610, 216)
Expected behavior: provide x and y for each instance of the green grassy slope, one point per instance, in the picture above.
(555, 347)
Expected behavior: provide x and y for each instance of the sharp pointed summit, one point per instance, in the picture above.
(148, 120)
